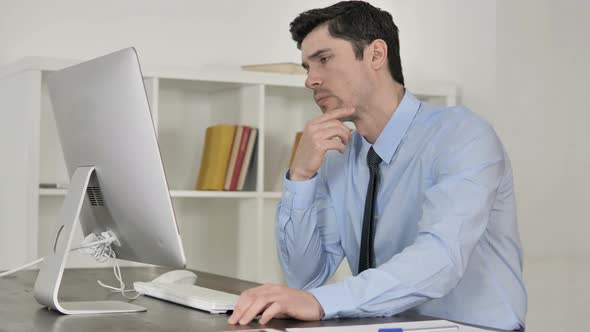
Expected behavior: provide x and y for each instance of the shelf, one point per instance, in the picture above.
(229, 75)
(52, 192)
(189, 194)
(223, 194)
(183, 102)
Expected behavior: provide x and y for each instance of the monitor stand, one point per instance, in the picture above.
(51, 271)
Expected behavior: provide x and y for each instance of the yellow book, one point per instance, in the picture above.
(295, 145)
(216, 155)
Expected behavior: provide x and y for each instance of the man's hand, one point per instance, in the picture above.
(326, 132)
(275, 301)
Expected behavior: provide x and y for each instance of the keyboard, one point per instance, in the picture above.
(197, 297)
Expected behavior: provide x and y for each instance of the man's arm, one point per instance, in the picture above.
(308, 241)
(309, 249)
(455, 213)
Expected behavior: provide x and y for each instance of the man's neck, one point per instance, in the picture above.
(373, 117)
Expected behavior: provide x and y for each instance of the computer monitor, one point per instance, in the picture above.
(117, 180)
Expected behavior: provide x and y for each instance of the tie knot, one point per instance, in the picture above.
(373, 158)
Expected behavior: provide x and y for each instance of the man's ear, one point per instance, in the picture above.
(377, 53)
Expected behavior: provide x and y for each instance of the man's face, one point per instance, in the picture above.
(333, 72)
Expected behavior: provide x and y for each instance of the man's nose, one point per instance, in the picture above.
(312, 81)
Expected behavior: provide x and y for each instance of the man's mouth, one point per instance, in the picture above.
(320, 99)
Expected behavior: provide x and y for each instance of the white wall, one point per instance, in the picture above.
(543, 72)
(521, 64)
(450, 41)
(180, 32)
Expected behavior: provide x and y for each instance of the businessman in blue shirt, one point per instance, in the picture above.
(419, 199)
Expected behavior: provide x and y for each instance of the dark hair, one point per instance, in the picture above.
(358, 22)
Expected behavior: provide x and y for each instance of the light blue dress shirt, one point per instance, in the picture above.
(447, 241)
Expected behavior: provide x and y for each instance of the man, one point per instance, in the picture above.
(419, 199)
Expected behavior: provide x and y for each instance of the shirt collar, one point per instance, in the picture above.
(396, 128)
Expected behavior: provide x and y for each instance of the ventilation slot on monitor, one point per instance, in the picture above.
(95, 196)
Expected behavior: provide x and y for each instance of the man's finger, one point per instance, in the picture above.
(273, 311)
(258, 306)
(244, 302)
(338, 113)
(334, 144)
(235, 316)
(341, 132)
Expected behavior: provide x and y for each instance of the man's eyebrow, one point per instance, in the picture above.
(315, 54)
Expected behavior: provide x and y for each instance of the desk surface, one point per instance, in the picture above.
(20, 312)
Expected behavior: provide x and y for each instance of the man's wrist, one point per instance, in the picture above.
(321, 313)
(295, 175)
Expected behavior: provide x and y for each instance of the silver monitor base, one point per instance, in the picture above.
(51, 271)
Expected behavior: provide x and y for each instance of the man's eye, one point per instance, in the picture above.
(324, 59)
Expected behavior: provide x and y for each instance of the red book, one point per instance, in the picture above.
(232, 159)
(240, 158)
(247, 158)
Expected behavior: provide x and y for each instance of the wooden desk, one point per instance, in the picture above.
(20, 312)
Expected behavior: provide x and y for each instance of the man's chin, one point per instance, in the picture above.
(327, 110)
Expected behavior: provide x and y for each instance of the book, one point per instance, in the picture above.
(284, 68)
(232, 160)
(45, 185)
(251, 178)
(248, 158)
(215, 158)
(240, 158)
(295, 145)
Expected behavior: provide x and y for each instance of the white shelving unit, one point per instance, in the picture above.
(230, 233)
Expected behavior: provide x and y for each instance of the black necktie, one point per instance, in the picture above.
(367, 254)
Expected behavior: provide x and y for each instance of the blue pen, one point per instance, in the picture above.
(420, 329)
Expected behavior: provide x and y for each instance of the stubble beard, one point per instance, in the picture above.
(339, 104)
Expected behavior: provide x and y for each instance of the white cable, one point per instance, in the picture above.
(121, 289)
(101, 250)
(37, 261)
(9, 272)
(102, 253)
